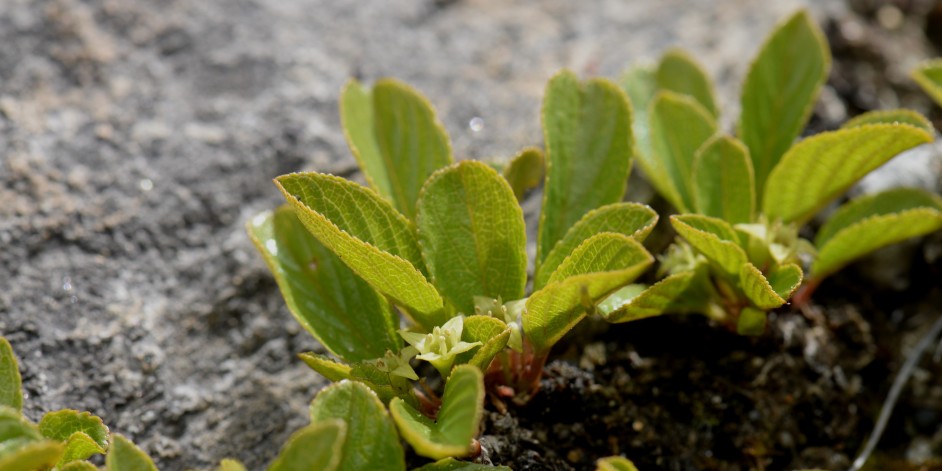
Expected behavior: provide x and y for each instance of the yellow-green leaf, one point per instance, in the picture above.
(724, 186)
(369, 236)
(86, 466)
(680, 73)
(631, 219)
(780, 90)
(594, 270)
(822, 167)
(679, 126)
(229, 464)
(13, 426)
(328, 368)
(123, 455)
(11, 386)
(472, 235)
(714, 238)
(615, 463)
(38, 455)
(317, 446)
(785, 279)
(680, 293)
(757, 288)
(396, 138)
(84, 434)
(587, 131)
(327, 298)
(370, 440)
(929, 76)
(457, 422)
(451, 464)
(640, 84)
(493, 335)
(751, 321)
(525, 171)
(901, 116)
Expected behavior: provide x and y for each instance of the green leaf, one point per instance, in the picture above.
(751, 321)
(758, 289)
(525, 171)
(328, 368)
(780, 90)
(713, 238)
(229, 464)
(13, 426)
(493, 335)
(317, 446)
(598, 267)
(451, 464)
(724, 185)
(371, 238)
(79, 447)
(472, 235)
(39, 455)
(327, 298)
(680, 293)
(11, 386)
(680, 73)
(631, 219)
(679, 126)
(587, 131)
(615, 463)
(929, 76)
(370, 440)
(86, 466)
(872, 222)
(381, 382)
(396, 138)
(909, 117)
(126, 456)
(457, 422)
(640, 84)
(785, 279)
(822, 167)
(84, 434)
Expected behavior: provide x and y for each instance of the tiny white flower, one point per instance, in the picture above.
(397, 364)
(441, 345)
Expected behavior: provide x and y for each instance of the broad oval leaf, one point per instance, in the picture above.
(457, 421)
(472, 235)
(929, 76)
(371, 238)
(723, 183)
(679, 293)
(228, 464)
(123, 455)
(86, 466)
(38, 455)
(679, 126)
(587, 131)
(11, 385)
(822, 167)
(678, 72)
(615, 463)
(525, 171)
(84, 434)
(598, 267)
(326, 297)
(451, 464)
(370, 439)
(757, 288)
(640, 84)
(878, 204)
(493, 335)
(14, 427)
(901, 116)
(785, 279)
(317, 446)
(781, 87)
(713, 238)
(78, 447)
(396, 138)
(631, 219)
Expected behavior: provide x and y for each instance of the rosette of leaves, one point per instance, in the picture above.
(743, 199)
(434, 240)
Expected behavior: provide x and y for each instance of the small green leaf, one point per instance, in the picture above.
(493, 335)
(84, 434)
(328, 368)
(929, 76)
(615, 463)
(631, 219)
(229, 464)
(640, 84)
(451, 464)
(758, 289)
(79, 447)
(11, 386)
(525, 171)
(780, 90)
(317, 446)
(370, 440)
(785, 279)
(680, 293)
(751, 321)
(872, 222)
(822, 167)
(587, 131)
(472, 235)
(371, 238)
(396, 138)
(679, 126)
(126, 456)
(713, 238)
(86, 466)
(38, 455)
(457, 422)
(598, 267)
(723, 183)
(13, 426)
(909, 117)
(680, 73)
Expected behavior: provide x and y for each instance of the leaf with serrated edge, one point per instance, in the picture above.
(370, 440)
(679, 126)
(328, 368)
(126, 456)
(878, 204)
(677, 294)
(713, 238)
(451, 464)
(457, 421)
(901, 116)
(525, 171)
(680, 73)
(472, 235)
(484, 329)
(326, 297)
(822, 167)
(631, 219)
(43, 454)
(317, 446)
(723, 183)
(396, 138)
(84, 434)
(929, 76)
(615, 463)
(757, 288)
(587, 131)
(11, 386)
(785, 279)
(371, 238)
(598, 267)
(78, 447)
(781, 87)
